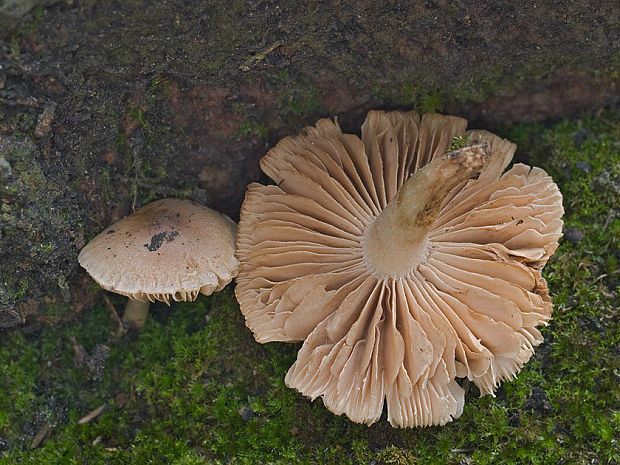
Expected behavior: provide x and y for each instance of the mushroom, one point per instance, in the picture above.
(401, 265)
(171, 249)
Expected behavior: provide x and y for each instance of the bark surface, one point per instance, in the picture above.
(108, 105)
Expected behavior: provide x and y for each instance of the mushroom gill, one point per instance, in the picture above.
(400, 264)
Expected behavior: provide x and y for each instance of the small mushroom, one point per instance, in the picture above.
(402, 265)
(171, 249)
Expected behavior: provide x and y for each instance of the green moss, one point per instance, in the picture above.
(107, 192)
(457, 142)
(138, 115)
(175, 394)
(247, 128)
(23, 288)
(303, 102)
(16, 37)
(430, 103)
(483, 80)
(161, 85)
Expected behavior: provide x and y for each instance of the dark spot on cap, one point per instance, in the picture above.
(156, 242)
(158, 239)
(110, 231)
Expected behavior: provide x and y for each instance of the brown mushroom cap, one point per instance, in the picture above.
(464, 298)
(169, 249)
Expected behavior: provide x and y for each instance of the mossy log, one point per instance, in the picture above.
(107, 105)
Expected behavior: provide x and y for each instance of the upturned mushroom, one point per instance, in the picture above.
(402, 265)
(171, 249)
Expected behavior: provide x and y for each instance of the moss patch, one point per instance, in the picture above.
(195, 388)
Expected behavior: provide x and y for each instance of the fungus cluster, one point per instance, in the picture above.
(401, 260)
(171, 249)
(400, 264)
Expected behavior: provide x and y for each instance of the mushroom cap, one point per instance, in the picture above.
(169, 249)
(470, 305)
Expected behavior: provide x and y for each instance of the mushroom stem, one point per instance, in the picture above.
(396, 242)
(136, 313)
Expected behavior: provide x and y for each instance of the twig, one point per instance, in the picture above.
(599, 278)
(80, 353)
(254, 60)
(610, 214)
(45, 431)
(92, 415)
(114, 314)
(136, 144)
